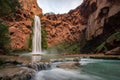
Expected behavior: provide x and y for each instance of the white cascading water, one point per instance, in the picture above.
(36, 49)
(36, 44)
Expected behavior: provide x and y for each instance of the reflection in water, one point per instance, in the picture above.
(91, 69)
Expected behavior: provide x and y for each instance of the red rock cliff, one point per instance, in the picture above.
(63, 27)
(21, 26)
(91, 15)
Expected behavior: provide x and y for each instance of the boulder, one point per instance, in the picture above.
(115, 51)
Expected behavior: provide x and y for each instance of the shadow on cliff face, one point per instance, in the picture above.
(111, 27)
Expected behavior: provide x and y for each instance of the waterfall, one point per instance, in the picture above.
(36, 49)
(36, 44)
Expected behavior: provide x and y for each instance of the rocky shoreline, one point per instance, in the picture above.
(15, 71)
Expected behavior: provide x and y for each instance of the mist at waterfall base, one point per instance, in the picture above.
(91, 69)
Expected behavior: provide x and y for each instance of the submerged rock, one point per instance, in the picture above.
(69, 65)
(10, 71)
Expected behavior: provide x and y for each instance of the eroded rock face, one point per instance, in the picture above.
(102, 18)
(91, 14)
(31, 7)
(96, 20)
(21, 25)
(63, 27)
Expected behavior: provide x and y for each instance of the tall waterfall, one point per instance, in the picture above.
(36, 49)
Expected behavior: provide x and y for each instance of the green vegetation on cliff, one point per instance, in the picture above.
(109, 39)
(44, 35)
(67, 48)
(98, 44)
(113, 39)
(4, 39)
(8, 7)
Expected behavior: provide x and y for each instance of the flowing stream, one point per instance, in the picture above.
(91, 69)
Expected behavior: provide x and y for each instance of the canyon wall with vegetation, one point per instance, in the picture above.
(91, 27)
(103, 28)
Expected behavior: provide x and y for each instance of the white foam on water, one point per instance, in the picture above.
(62, 74)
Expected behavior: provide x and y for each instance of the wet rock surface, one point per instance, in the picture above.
(67, 63)
(21, 71)
(17, 73)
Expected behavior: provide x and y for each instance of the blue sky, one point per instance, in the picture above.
(58, 6)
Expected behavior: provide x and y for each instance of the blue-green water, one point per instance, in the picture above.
(104, 69)
(91, 69)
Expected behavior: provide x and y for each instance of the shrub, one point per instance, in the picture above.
(103, 47)
(115, 36)
(69, 48)
(44, 35)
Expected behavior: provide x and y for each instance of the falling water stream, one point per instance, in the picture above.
(36, 49)
(37, 36)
